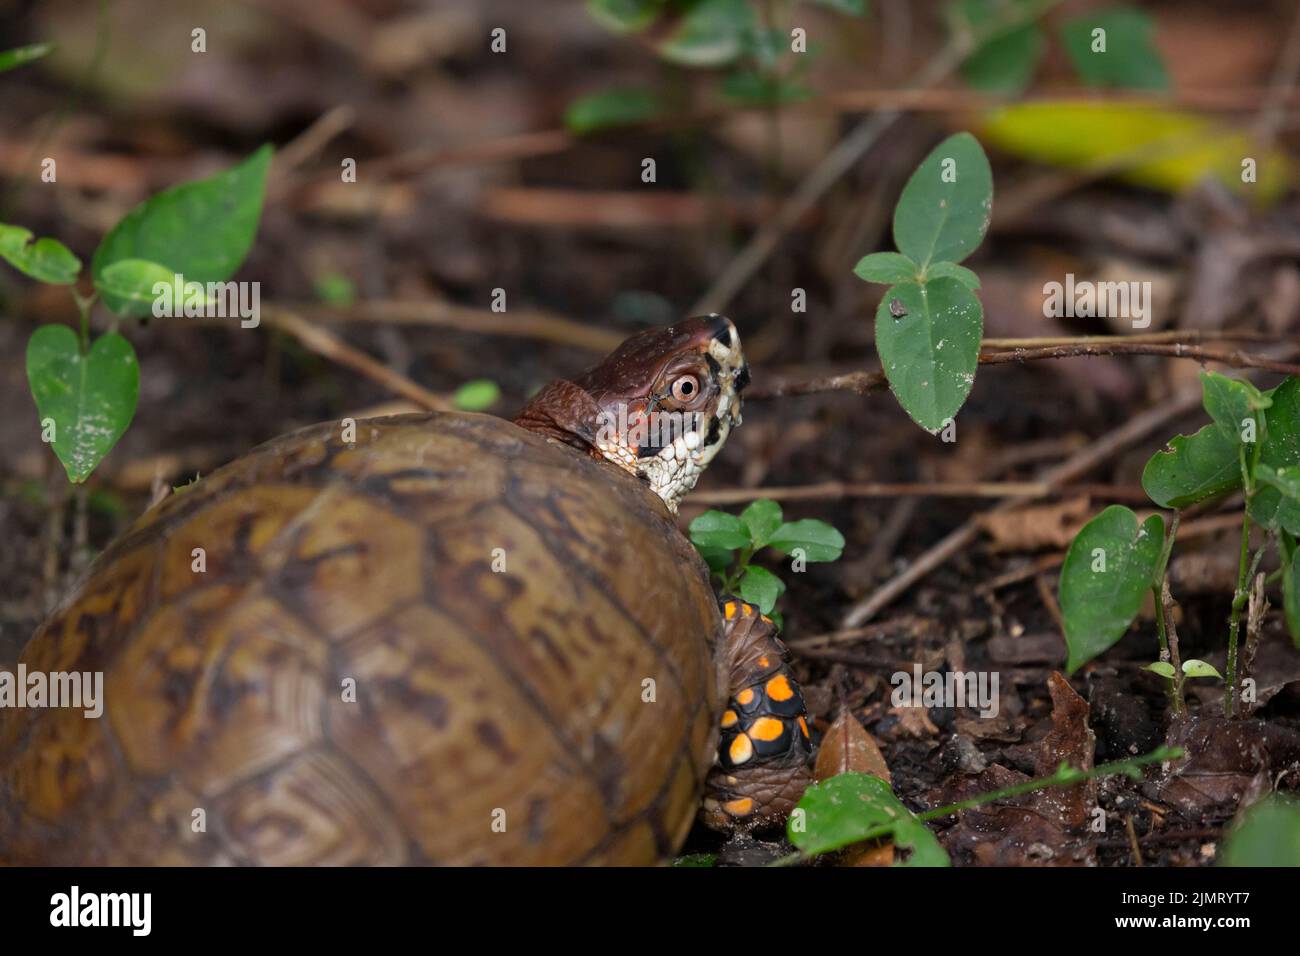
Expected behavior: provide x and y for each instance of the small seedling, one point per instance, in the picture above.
(86, 390)
(1251, 447)
(728, 544)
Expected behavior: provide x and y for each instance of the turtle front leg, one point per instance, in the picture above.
(761, 769)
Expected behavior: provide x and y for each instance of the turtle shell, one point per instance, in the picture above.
(449, 641)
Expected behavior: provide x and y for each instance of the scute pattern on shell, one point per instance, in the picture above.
(475, 690)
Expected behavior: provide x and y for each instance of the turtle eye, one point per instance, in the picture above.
(686, 388)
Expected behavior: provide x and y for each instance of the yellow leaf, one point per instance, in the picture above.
(1141, 144)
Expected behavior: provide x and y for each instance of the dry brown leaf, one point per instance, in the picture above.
(848, 748)
(1042, 526)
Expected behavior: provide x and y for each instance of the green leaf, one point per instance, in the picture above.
(850, 807)
(717, 529)
(1268, 834)
(854, 8)
(756, 88)
(718, 559)
(711, 33)
(696, 859)
(477, 395)
(1005, 63)
(817, 540)
(1231, 402)
(762, 519)
(610, 108)
(133, 280)
(1108, 570)
(1163, 668)
(1195, 668)
(886, 267)
(202, 230)
(336, 289)
(922, 846)
(1130, 57)
(90, 398)
(47, 260)
(1286, 480)
(950, 270)
(19, 56)
(1194, 468)
(1280, 451)
(928, 338)
(625, 16)
(760, 586)
(945, 207)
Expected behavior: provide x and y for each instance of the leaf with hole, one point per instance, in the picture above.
(851, 807)
(1108, 570)
(930, 351)
(945, 207)
(1193, 468)
(46, 260)
(90, 398)
(202, 230)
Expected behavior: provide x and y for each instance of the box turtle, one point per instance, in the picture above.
(439, 638)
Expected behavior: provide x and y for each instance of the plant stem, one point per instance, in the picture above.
(1158, 590)
(1245, 568)
(84, 305)
(1234, 621)
(1065, 776)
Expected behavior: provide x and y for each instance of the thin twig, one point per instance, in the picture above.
(1080, 463)
(864, 382)
(327, 344)
(519, 323)
(831, 490)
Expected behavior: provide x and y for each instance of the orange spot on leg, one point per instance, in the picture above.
(778, 688)
(739, 808)
(766, 728)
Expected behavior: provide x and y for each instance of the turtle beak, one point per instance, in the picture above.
(723, 349)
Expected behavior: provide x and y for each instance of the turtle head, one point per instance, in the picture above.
(660, 406)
